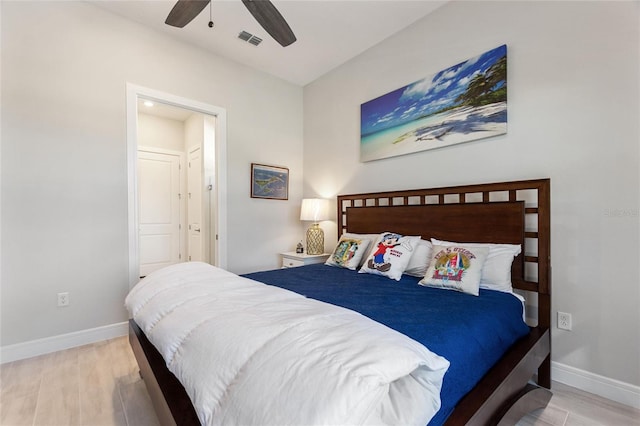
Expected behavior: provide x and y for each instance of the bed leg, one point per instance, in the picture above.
(544, 373)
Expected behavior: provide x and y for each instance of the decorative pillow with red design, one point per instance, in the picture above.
(390, 255)
(456, 268)
(496, 272)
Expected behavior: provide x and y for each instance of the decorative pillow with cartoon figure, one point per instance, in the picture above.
(365, 251)
(348, 252)
(390, 255)
(496, 272)
(456, 268)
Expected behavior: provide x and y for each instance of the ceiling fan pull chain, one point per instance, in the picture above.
(210, 15)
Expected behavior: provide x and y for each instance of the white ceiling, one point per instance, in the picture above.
(329, 32)
(163, 110)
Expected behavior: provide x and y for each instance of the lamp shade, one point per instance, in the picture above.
(314, 209)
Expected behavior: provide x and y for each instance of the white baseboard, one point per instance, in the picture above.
(612, 389)
(63, 341)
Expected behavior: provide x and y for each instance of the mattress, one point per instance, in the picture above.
(471, 332)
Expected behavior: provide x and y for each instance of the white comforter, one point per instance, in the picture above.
(252, 354)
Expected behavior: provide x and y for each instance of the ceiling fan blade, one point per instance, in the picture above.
(271, 20)
(185, 11)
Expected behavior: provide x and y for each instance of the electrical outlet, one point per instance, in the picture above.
(63, 299)
(564, 321)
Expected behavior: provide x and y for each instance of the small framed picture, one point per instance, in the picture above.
(270, 182)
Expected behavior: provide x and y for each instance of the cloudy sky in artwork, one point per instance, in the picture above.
(426, 96)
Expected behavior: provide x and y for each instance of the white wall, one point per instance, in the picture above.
(65, 66)
(193, 131)
(160, 132)
(573, 116)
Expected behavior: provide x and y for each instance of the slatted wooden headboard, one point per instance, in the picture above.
(505, 212)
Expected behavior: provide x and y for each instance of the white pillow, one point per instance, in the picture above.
(456, 268)
(348, 252)
(420, 260)
(496, 273)
(390, 256)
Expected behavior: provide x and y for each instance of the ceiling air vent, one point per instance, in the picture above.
(249, 38)
(255, 40)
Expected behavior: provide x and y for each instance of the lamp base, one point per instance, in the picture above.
(315, 240)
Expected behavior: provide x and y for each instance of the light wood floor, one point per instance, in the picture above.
(98, 384)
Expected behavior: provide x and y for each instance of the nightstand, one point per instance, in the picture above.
(292, 259)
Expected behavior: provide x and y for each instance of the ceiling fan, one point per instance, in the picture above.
(263, 11)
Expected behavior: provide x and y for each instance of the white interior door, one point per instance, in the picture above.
(194, 206)
(159, 210)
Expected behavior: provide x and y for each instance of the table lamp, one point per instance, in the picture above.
(315, 210)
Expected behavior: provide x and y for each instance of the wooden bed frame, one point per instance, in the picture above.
(507, 212)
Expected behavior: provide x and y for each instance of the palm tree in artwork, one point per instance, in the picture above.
(497, 72)
(485, 84)
(478, 86)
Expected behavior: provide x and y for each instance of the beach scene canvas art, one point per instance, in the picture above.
(462, 103)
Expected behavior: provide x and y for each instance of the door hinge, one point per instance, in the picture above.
(180, 256)
(216, 237)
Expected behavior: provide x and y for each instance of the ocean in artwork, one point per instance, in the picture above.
(465, 102)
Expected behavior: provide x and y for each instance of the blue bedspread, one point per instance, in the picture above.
(471, 332)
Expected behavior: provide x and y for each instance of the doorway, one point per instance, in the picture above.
(203, 231)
